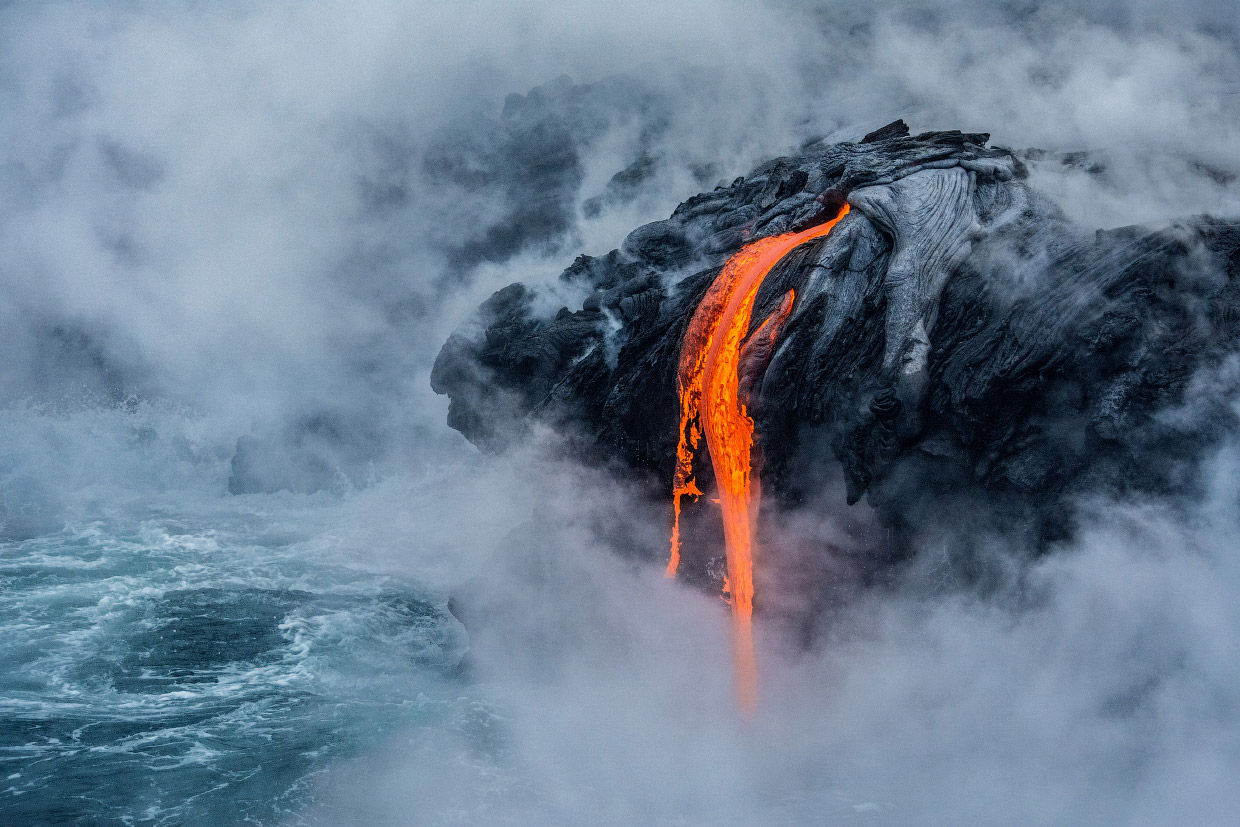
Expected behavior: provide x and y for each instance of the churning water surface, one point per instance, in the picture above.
(170, 654)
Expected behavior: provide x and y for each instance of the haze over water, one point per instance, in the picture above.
(232, 515)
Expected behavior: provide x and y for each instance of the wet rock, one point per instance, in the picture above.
(623, 187)
(325, 451)
(660, 243)
(956, 342)
(895, 129)
(529, 161)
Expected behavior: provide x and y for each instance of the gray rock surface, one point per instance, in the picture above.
(504, 184)
(957, 346)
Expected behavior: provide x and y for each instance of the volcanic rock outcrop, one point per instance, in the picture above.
(957, 347)
(518, 177)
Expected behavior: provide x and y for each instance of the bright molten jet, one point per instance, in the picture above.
(709, 382)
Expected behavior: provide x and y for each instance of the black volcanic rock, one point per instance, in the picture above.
(506, 184)
(956, 342)
(530, 160)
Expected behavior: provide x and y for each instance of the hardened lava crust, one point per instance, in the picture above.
(958, 350)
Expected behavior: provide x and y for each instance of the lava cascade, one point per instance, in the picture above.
(709, 382)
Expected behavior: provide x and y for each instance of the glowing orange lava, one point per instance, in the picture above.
(709, 382)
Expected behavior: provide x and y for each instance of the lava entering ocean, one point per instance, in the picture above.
(709, 383)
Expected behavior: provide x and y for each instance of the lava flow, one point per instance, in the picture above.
(709, 384)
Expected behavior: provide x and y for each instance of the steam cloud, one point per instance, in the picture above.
(265, 220)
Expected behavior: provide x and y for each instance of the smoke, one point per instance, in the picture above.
(256, 210)
(259, 223)
(1098, 688)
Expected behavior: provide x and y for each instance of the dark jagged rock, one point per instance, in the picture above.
(322, 452)
(530, 160)
(506, 184)
(895, 129)
(623, 186)
(957, 346)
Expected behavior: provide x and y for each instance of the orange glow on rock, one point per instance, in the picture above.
(718, 365)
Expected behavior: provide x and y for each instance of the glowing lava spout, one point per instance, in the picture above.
(709, 383)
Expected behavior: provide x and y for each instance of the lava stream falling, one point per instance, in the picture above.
(709, 385)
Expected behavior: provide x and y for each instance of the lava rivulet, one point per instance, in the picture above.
(713, 356)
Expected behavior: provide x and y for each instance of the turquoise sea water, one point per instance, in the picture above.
(173, 655)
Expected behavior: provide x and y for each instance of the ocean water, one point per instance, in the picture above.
(175, 655)
(170, 654)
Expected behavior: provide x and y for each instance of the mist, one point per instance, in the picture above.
(233, 238)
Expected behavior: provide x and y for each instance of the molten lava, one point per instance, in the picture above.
(713, 358)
